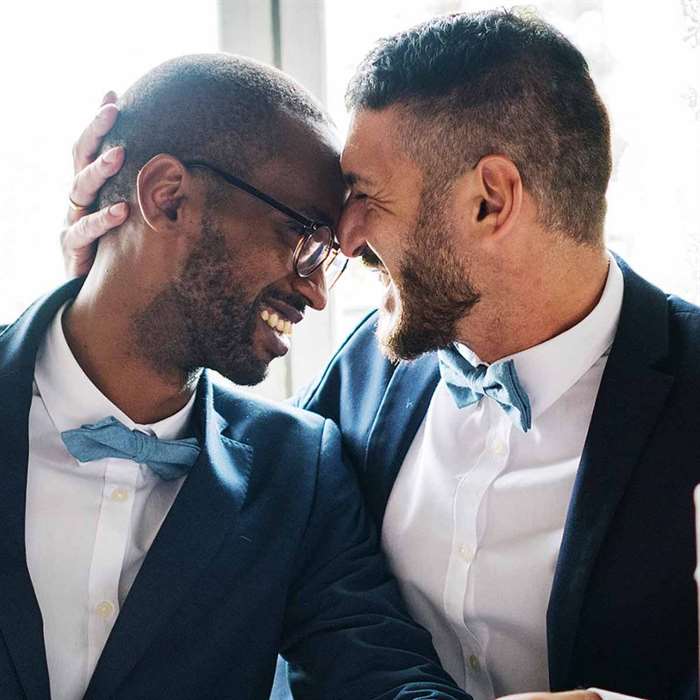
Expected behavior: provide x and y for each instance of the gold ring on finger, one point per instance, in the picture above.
(78, 208)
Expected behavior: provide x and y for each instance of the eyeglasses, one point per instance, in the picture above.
(317, 247)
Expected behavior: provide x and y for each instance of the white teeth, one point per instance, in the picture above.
(277, 323)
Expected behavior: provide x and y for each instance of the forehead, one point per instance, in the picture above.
(305, 171)
(372, 154)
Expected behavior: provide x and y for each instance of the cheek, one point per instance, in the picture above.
(264, 262)
(390, 242)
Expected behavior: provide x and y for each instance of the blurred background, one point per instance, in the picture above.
(59, 58)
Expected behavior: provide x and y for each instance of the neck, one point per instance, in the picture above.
(537, 299)
(99, 330)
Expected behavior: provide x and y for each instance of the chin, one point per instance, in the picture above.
(243, 371)
(406, 335)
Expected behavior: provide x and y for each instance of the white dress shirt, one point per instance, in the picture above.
(475, 519)
(89, 525)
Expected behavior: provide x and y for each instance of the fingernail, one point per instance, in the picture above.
(111, 155)
(110, 95)
(118, 209)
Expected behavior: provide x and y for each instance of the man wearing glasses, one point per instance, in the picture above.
(162, 535)
(526, 428)
(317, 245)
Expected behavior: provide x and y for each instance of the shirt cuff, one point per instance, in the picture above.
(607, 695)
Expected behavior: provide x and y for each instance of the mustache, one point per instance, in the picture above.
(371, 260)
(294, 300)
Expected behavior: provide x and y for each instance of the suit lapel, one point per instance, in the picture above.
(631, 396)
(203, 512)
(400, 414)
(21, 624)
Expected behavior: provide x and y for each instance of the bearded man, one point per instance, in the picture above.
(523, 410)
(162, 535)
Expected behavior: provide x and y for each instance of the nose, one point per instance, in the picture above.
(313, 289)
(350, 231)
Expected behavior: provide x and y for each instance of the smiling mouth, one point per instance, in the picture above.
(277, 322)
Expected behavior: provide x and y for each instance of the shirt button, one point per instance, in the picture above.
(120, 495)
(466, 552)
(105, 609)
(498, 447)
(474, 663)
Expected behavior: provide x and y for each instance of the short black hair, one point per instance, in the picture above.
(225, 109)
(498, 82)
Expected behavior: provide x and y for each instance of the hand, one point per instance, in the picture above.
(84, 227)
(569, 695)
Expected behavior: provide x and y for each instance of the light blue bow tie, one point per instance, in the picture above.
(498, 381)
(169, 459)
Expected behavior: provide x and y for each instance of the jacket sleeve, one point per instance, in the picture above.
(346, 632)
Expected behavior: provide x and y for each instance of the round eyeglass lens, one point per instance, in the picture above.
(314, 250)
(334, 268)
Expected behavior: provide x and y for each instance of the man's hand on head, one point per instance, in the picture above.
(84, 226)
(568, 695)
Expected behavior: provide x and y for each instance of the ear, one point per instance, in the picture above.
(160, 191)
(499, 195)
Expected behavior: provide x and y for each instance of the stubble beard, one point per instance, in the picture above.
(204, 319)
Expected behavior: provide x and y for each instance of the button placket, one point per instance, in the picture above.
(470, 497)
(111, 541)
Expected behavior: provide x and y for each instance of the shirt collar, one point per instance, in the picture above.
(72, 400)
(549, 369)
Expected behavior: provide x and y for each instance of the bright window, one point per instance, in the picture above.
(58, 60)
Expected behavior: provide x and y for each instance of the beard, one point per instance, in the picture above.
(205, 318)
(432, 291)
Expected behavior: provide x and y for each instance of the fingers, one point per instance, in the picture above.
(109, 98)
(90, 179)
(89, 142)
(91, 226)
(78, 240)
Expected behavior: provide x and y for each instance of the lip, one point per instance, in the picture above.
(276, 345)
(285, 310)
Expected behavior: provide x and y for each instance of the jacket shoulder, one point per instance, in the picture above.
(358, 368)
(255, 415)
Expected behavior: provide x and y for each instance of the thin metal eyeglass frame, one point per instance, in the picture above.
(310, 226)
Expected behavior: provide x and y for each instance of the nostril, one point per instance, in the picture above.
(370, 258)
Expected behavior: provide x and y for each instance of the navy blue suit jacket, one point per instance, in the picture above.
(622, 613)
(266, 548)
